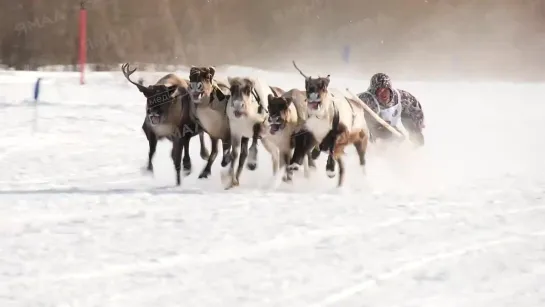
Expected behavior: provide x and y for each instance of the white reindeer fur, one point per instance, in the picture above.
(243, 126)
(282, 138)
(319, 121)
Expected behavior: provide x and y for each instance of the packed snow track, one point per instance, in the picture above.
(457, 223)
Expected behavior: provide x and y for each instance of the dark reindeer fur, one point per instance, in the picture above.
(167, 116)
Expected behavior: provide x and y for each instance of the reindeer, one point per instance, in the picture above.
(208, 105)
(167, 116)
(287, 115)
(246, 110)
(335, 121)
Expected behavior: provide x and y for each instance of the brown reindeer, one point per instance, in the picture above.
(167, 116)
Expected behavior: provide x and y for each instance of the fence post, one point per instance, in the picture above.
(82, 41)
(37, 90)
(346, 54)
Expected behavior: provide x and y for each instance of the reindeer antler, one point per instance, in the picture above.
(299, 70)
(127, 72)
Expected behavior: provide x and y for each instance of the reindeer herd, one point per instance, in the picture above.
(294, 126)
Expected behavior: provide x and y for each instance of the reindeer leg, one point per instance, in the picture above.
(330, 166)
(152, 141)
(176, 155)
(242, 158)
(315, 153)
(252, 160)
(235, 147)
(304, 142)
(306, 166)
(227, 157)
(284, 162)
(340, 161)
(310, 161)
(208, 168)
(187, 156)
(204, 152)
(275, 154)
(361, 148)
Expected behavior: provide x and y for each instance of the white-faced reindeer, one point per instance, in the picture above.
(335, 120)
(287, 115)
(247, 112)
(167, 116)
(208, 104)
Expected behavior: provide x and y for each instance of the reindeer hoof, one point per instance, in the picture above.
(187, 169)
(251, 166)
(204, 175)
(330, 173)
(225, 161)
(286, 178)
(204, 154)
(147, 170)
(315, 154)
(293, 167)
(234, 183)
(178, 179)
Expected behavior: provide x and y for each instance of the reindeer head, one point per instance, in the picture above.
(201, 83)
(158, 97)
(241, 94)
(278, 112)
(316, 91)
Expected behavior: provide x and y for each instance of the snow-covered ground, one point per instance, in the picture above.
(459, 223)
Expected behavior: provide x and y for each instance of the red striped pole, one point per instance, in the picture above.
(82, 41)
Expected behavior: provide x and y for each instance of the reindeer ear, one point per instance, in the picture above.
(193, 71)
(148, 91)
(230, 80)
(289, 100)
(250, 81)
(326, 81)
(171, 89)
(221, 96)
(145, 89)
(270, 98)
(211, 71)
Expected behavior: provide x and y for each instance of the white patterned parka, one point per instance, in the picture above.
(403, 107)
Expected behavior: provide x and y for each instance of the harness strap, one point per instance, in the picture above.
(334, 128)
(351, 108)
(256, 96)
(273, 91)
(217, 93)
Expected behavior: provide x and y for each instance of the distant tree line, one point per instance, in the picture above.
(411, 37)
